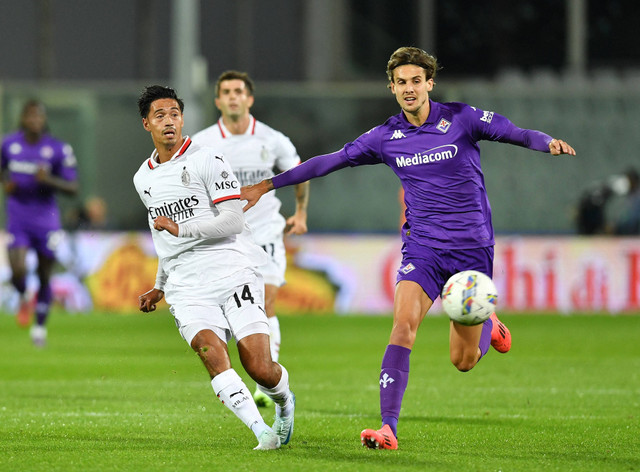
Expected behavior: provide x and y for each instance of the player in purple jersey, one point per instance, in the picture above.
(35, 166)
(433, 149)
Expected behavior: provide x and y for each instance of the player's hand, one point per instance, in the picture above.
(252, 193)
(296, 224)
(42, 175)
(162, 223)
(558, 146)
(147, 301)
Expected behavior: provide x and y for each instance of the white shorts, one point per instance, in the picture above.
(273, 270)
(234, 308)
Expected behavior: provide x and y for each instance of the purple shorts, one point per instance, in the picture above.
(40, 241)
(431, 267)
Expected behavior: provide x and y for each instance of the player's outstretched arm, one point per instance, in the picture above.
(314, 167)
(558, 146)
(147, 301)
(70, 187)
(252, 193)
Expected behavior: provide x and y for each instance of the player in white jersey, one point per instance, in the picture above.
(207, 267)
(254, 150)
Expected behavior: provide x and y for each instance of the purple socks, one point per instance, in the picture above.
(485, 337)
(45, 295)
(394, 376)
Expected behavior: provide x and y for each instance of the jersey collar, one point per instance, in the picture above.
(153, 160)
(225, 133)
(434, 115)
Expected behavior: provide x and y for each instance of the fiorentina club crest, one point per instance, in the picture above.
(386, 380)
(408, 268)
(443, 125)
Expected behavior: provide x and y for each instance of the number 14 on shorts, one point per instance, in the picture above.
(244, 297)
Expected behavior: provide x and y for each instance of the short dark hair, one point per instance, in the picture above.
(412, 55)
(235, 75)
(152, 93)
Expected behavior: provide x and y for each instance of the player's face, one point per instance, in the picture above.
(164, 122)
(411, 88)
(34, 119)
(234, 100)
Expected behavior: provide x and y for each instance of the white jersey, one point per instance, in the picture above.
(186, 189)
(253, 157)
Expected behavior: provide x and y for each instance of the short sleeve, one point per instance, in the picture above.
(67, 165)
(218, 177)
(287, 156)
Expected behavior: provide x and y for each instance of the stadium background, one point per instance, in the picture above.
(569, 68)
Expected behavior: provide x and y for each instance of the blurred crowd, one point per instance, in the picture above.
(611, 206)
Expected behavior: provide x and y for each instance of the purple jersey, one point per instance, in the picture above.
(438, 165)
(33, 205)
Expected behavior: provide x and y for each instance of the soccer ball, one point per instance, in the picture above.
(469, 297)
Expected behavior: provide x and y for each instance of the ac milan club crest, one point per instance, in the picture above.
(186, 178)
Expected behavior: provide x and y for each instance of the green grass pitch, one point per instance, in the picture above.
(125, 393)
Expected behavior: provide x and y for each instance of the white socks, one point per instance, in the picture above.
(280, 394)
(274, 337)
(234, 394)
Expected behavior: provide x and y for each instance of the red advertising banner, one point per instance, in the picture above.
(348, 274)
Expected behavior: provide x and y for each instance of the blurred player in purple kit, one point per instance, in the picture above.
(35, 165)
(433, 149)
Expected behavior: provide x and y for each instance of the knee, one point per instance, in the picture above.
(270, 309)
(403, 334)
(206, 353)
(270, 304)
(18, 273)
(214, 358)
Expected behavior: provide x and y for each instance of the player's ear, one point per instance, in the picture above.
(430, 84)
(145, 124)
(250, 100)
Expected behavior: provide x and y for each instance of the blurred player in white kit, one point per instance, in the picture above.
(254, 150)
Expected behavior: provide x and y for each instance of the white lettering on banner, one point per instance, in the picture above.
(533, 274)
